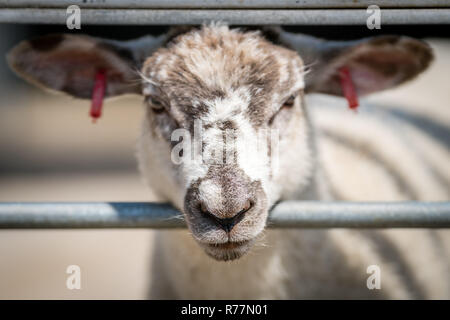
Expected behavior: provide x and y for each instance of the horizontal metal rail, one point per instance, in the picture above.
(231, 16)
(224, 4)
(288, 214)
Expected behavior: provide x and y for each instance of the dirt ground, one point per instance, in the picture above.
(49, 151)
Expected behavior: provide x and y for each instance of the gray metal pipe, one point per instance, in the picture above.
(288, 214)
(224, 4)
(232, 16)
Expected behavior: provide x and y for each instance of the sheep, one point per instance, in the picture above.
(215, 81)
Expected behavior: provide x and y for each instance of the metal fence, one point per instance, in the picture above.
(228, 4)
(289, 214)
(249, 12)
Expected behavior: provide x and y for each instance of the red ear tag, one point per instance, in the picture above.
(348, 88)
(98, 93)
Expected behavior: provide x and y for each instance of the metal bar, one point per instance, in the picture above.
(247, 17)
(288, 214)
(224, 4)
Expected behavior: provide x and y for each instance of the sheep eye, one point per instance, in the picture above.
(289, 103)
(156, 105)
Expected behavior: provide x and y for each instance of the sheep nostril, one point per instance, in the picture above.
(247, 206)
(226, 224)
(203, 208)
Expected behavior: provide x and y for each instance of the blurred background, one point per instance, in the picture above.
(51, 151)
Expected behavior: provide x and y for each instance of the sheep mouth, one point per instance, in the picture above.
(229, 244)
(227, 251)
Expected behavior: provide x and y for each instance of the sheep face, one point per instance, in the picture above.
(220, 105)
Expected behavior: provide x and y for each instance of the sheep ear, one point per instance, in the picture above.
(375, 64)
(69, 63)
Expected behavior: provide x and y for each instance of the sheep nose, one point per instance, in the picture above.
(232, 219)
